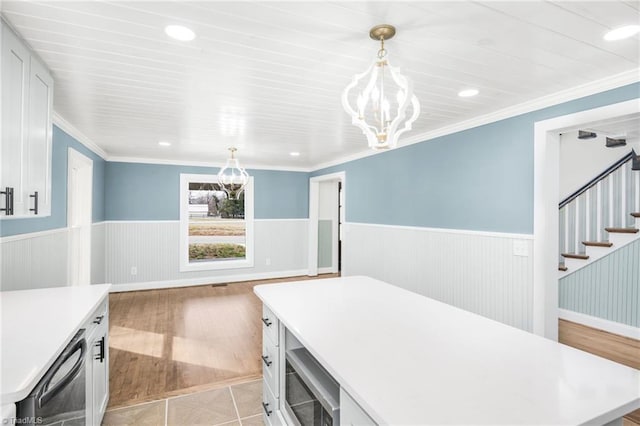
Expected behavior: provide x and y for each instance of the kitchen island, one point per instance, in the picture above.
(36, 326)
(406, 359)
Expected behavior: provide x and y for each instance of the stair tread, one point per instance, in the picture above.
(635, 214)
(622, 230)
(562, 268)
(575, 256)
(597, 243)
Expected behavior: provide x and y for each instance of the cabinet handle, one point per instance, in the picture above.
(265, 406)
(98, 319)
(266, 322)
(100, 356)
(8, 201)
(35, 202)
(265, 359)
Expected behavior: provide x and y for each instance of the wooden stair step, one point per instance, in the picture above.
(622, 230)
(636, 214)
(562, 268)
(597, 243)
(575, 256)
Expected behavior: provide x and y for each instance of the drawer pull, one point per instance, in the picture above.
(266, 361)
(266, 322)
(35, 202)
(8, 201)
(98, 319)
(265, 407)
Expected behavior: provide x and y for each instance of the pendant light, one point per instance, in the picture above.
(380, 101)
(232, 178)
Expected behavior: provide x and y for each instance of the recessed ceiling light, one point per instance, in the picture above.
(622, 32)
(164, 143)
(468, 93)
(179, 32)
(294, 154)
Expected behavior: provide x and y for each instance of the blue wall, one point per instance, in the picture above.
(135, 191)
(61, 142)
(478, 179)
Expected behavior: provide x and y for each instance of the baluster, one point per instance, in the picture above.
(599, 211)
(610, 178)
(566, 228)
(623, 195)
(577, 227)
(637, 209)
(587, 216)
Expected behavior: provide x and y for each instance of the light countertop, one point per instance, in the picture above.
(36, 326)
(407, 359)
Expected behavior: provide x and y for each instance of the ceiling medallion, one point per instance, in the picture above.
(380, 101)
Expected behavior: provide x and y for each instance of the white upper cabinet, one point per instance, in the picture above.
(27, 99)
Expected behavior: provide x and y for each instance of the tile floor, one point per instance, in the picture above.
(239, 404)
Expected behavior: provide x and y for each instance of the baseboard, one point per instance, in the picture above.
(601, 324)
(153, 285)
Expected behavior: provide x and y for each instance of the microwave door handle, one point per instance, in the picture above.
(68, 378)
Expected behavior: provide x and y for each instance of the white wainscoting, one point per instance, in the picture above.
(39, 259)
(35, 260)
(476, 271)
(152, 247)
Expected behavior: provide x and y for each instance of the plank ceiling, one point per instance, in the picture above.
(267, 76)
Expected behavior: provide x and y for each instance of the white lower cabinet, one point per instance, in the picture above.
(270, 368)
(97, 364)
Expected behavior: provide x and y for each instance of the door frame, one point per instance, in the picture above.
(545, 208)
(79, 184)
(314, 206)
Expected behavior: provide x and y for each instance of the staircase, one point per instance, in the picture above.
(600, 217)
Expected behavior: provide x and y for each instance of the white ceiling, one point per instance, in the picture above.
(278, 68)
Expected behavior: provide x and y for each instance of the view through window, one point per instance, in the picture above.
(216, 230)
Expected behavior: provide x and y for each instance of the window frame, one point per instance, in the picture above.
(185, 265)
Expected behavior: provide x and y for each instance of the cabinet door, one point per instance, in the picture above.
(15, 89)
(100, 373)
(38, 148)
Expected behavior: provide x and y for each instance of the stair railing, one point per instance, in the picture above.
(605, 201)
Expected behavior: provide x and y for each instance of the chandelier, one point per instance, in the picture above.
(384, 106)
(232, 178)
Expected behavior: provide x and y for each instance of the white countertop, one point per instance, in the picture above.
(36, 326)
(407, 359)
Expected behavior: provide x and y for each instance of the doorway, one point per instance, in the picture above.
(545, 208)
(79, 217)
(326, 218)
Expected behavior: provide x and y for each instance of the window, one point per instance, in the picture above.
(215, 232)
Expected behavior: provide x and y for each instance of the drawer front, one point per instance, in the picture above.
(350, 412)
(270, 364)
(99, 316)
(269, 406)
(270, 325)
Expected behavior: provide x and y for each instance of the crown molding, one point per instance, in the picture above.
(72, 131)
(170, 162)
(591, 88)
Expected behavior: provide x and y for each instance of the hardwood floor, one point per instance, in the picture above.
(169, 342)
(607, 345)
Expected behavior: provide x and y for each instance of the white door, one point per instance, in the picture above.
(79, 211)
(316, 214)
